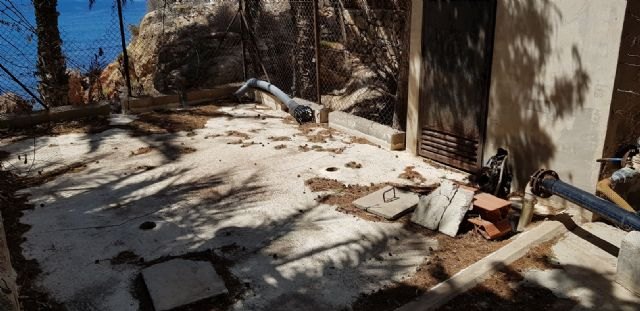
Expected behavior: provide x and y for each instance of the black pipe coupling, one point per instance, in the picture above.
(303, 114)
(536, 182)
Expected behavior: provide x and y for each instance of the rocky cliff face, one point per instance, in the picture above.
(12, 103)
(184, 48)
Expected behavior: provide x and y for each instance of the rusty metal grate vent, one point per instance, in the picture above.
(454, 150)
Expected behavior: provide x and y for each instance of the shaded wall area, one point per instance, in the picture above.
(553, 70)
(624, 118)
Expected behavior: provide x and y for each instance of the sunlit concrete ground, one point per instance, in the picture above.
(587, 261)
(248, 204)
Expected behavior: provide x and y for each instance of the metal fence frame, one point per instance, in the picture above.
(292, 43)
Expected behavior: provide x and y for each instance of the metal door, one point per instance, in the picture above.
(457, 50)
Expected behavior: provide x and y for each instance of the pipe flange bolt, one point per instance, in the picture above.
(536, 182)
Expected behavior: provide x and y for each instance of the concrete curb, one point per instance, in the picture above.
(192, 98)
(376, 133)
(8, 286)
(477, 272)
(55, 114)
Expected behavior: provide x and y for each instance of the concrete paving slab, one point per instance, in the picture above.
(397, 203)
(588, 255)
(432, 207)
(179, 282)
(254, 196)
(460, 204)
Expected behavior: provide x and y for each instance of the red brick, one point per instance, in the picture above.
(489, 202)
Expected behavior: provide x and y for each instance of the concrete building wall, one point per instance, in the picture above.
(414, 77)
(624, 118)
(554, 67)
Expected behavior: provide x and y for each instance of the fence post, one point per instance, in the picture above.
(127, 78)
(244, 54)
(316, 31)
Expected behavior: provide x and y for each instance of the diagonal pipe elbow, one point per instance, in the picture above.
(301, 113)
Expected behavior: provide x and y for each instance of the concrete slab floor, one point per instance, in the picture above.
(250, 198)
(588, 257)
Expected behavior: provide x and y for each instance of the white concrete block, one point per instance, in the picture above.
(628, 270)
(379, 134)
(180, 282)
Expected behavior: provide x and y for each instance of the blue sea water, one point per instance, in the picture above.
(85, 31)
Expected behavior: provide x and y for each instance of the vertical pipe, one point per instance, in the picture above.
(127, 77)
(316, 31)
(244, 55)
(528, 203)
(24, 87)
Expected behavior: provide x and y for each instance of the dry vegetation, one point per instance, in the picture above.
(318, 148)
(172, 121)
(504, 290)
(140, 151)
(85, 126)
(412, 175)
(317, 133)
(342, 196)
(451, 256)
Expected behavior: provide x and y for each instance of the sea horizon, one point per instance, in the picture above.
(85, 32)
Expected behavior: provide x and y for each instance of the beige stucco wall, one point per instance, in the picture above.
(414, 76)
(553, 71)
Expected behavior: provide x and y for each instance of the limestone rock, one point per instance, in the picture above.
(13, 103)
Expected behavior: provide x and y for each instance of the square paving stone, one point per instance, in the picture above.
(179, 282)
(433, 206)
(460, 204)
(393, 208)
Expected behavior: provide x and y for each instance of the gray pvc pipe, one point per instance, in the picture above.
(268, 87)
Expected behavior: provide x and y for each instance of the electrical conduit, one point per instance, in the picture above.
(301, 113)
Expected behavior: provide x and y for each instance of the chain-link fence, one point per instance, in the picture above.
(286, 44)
(186, 45)
(17, 53)
(363, 46)
(87, 52)
(350, 55)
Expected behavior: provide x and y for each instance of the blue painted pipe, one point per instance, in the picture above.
(303, 114)
(591, 202)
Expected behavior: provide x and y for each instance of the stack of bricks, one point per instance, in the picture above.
(492, 221)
